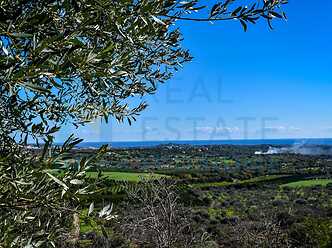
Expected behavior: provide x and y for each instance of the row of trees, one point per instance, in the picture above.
(71, 62)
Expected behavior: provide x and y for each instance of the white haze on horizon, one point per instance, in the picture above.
(299, 148)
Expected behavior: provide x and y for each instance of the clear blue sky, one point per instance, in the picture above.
(259, 84)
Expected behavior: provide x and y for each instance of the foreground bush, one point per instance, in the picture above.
(38, 208)
(155, 218)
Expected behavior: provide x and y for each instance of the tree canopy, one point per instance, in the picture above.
(77, 60)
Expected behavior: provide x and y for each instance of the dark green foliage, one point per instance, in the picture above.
(77, 60)
(36, 207)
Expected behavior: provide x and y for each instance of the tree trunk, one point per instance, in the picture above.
(76, 227)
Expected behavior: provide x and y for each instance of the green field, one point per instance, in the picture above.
(308, 183)
(126, 176)
(239, 182)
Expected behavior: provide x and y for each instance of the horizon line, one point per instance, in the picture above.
(197, 140)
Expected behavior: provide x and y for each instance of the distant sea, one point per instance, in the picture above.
(279, 142)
